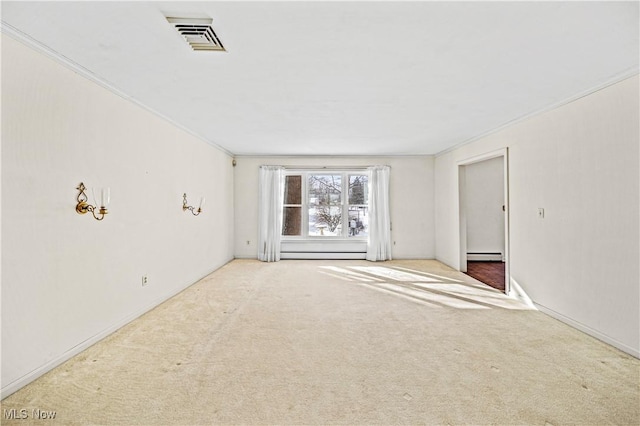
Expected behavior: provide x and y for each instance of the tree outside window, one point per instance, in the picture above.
(334, 205)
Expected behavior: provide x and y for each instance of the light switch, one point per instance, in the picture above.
(540, 213)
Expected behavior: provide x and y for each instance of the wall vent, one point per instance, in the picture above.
(198, 33)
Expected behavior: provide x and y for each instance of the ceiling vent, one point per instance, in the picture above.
(198, 33)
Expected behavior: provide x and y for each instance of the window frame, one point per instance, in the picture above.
(345, 174)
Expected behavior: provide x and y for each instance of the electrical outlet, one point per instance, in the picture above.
(145, 280)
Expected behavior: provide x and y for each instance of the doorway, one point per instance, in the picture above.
(484, 218)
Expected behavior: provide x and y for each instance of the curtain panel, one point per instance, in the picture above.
(379, 243)
(270, 201)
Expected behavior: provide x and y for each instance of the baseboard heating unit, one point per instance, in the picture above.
(323, 249)
(485, 256)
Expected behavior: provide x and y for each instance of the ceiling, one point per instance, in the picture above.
(342, 78)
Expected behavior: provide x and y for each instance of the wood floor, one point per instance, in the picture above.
(490, 273)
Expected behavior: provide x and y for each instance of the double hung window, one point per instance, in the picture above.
(326, 204)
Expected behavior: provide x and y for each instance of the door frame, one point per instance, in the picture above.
(462, 213)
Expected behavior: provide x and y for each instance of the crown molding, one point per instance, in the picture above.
(628, 73)
(34, 44)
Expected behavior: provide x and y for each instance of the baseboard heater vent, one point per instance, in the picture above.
(323, 249)
(321, 255)
(485, 256)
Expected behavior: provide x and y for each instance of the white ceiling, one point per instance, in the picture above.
(343, 78)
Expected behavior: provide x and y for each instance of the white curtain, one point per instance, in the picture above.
(270, 201)
(379, 243)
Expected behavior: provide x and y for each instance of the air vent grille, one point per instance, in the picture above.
(198, 33)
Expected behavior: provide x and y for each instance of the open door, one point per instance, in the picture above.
(484, 217)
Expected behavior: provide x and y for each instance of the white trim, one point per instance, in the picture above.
(89, 75)
(462, 218)
(500, 152)
(588, 330)
(38, 372)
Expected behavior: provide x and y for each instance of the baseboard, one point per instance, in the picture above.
(588, 330)
(30, 377)
(485, 257)
(317, 255)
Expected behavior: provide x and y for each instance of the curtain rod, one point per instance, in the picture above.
(330, 167)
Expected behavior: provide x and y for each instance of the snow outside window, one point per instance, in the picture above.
(326, 205)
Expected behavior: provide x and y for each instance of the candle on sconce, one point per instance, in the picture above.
(193, 210)
(102, 197)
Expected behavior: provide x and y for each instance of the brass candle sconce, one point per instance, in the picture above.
(193, 210)
(101, 196)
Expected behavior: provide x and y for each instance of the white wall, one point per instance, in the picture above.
(67, 279)
(484, 198)
(580, 163)
(411, 194)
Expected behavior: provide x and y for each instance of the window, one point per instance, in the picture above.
(326, 204)
(292, 210)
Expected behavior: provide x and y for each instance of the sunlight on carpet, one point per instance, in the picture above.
(419, 286)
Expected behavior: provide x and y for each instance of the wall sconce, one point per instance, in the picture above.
(102, 194)
(192, 209)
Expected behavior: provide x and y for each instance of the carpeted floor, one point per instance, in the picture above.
(340, 342)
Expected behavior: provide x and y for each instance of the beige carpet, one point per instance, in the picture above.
(340, 342)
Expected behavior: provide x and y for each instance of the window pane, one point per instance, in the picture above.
(358, 221)
(325, 221)
(325, 189)
(358, 185)
(292, 221)
(325, 205)
(293, 190)
(358, 209)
